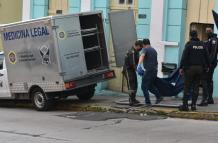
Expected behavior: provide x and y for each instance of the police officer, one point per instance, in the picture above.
(129, 71)
(194, 62)
(211, 45)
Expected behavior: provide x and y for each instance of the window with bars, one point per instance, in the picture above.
(129, 1)
(121, 1)
(126, 2)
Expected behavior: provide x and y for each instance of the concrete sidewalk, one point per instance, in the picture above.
(107, 101)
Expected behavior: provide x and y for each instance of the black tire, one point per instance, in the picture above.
(39, 100)
(86, 93)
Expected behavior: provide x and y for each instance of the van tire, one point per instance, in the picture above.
(40, 100)
(86, 93)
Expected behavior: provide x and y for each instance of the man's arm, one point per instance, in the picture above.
(184, 56)
(213, 53)
(141, 58)
(139, 69)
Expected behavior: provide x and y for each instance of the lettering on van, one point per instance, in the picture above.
(26, 33)
(26, 57)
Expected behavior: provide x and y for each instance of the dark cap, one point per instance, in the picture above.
(194, 33)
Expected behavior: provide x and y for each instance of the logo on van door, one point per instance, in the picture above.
(45, 54)
(12, 57)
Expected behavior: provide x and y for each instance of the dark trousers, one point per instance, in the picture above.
(207, 83)
(148, 84)
(193, 76)
(210, 83)
(205, 86)
(132, 83)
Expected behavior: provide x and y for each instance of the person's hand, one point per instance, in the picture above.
(207, 69)
(181, 71)
(140, 70)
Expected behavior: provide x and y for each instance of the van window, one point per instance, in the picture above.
(1, 61)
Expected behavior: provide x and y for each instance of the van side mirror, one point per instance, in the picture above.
(1, 74)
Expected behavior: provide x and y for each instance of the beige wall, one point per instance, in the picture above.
(58, 5)
(10, 11)
(199, 11)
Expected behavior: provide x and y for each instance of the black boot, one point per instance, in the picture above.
(193, 108)
(210, 101)
(183, 108)
(158, 100)
(133, 95)
(131, 102)
(203, 103)
(148, 102)
(136, 101)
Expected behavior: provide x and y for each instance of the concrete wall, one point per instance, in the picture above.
(199, 11)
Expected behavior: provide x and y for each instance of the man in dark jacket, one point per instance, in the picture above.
(129, 71)
(211, 45)
(194, 62)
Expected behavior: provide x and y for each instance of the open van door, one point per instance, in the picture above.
(123, 30)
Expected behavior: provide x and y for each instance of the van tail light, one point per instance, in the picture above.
(70, 85)
(109, 74)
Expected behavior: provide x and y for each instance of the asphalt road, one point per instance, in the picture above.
(30, 126)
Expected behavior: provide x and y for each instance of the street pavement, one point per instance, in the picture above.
(29, 126)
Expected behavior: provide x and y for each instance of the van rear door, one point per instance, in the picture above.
(70, 47)
(123, 30)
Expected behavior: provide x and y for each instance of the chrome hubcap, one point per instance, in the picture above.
(39, 100)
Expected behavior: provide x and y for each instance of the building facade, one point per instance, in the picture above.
(10, 11)
(166, 22)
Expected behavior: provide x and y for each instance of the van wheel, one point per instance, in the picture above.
(39, 100)
(86, 93)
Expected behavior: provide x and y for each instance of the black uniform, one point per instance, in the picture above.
(194, 62)
(211, 45)
(131, 61)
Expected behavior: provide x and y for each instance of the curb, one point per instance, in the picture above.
(173, 113)
(168, 112)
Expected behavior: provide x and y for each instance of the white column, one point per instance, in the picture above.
(85, 5)
(26, 13)
(156, 30)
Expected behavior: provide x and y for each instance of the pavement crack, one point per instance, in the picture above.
(24, 134)
(115, 122)
(32, 135)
